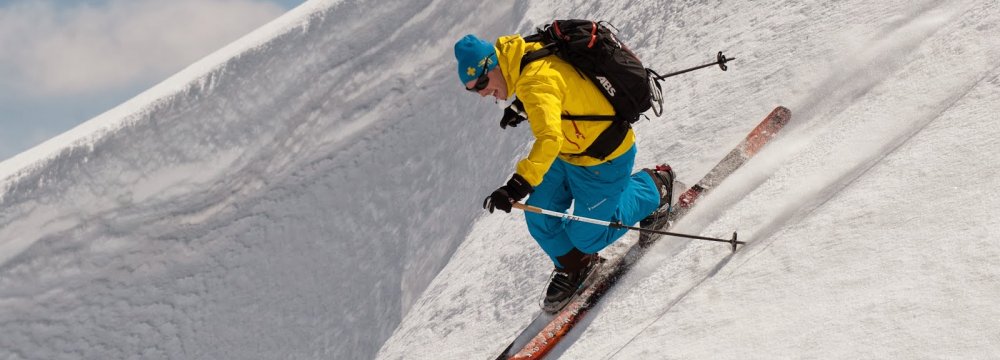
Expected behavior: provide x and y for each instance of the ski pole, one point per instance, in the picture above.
(619, 225)
(719, 60)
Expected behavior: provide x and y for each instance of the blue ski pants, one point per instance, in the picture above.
(608, 191)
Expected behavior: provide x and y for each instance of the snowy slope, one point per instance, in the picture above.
(287, 197)
(872, 222)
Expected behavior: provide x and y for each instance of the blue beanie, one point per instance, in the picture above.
(470, 52)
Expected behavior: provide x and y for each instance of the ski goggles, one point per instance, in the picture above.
(483, 81)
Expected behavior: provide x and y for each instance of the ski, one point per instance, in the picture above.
(546, 330)
(750, 146)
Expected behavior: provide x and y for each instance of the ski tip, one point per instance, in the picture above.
(781, 114)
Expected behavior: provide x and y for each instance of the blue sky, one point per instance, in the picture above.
(63, 62)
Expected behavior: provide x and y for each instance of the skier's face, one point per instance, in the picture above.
(497, 86)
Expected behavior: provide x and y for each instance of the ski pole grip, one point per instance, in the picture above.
(524, 207)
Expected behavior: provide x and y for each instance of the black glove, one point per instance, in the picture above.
(513, 115)
(516, 189)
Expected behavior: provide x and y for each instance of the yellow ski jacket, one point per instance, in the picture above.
(549, 88)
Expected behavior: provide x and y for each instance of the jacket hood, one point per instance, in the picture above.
(510, 50)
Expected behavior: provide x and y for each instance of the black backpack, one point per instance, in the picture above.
(594, 50)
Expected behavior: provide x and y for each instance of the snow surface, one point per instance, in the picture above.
(290, 196)
(313, 191)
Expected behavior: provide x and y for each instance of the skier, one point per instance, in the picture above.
(555, 172)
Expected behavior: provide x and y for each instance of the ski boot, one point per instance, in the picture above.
(565, 282)
(669, 189)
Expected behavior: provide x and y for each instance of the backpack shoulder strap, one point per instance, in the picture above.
(589, 117)
(536, 37)
(535, 55)
(546, 50)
